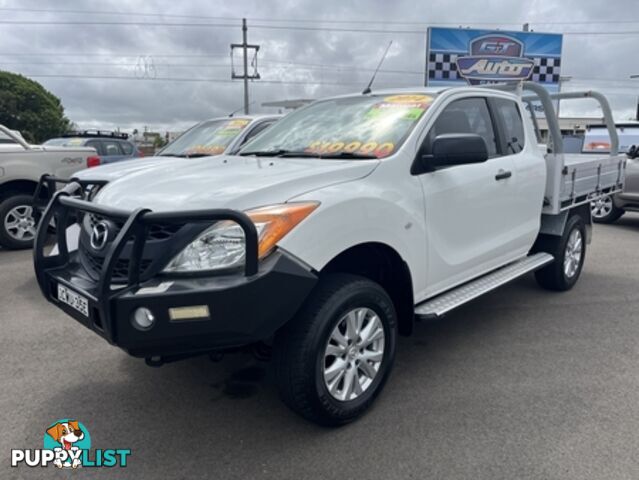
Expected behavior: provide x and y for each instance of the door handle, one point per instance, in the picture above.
(503, 174)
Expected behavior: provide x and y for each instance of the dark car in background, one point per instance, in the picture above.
(110, 146)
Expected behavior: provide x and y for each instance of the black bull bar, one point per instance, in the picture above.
(66, 209)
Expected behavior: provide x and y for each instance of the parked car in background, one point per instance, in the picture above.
(206, 139)
(10, 140)
(596, 140)
(610, 208)
(110, 146)
(21, 166)
(217, 136)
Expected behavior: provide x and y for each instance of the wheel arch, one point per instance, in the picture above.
(554, 225)
(13, 187)
(384, 265)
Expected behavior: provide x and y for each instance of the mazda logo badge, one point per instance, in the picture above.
(99, 235)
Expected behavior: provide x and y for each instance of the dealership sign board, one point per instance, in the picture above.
(461, 56)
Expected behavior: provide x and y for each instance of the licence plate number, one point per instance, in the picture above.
(74, 300)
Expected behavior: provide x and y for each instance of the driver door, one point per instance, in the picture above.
(469, 209)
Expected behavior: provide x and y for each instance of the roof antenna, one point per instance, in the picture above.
(370, 84)
(241, 108)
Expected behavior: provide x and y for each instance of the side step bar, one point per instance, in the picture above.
(447, 301)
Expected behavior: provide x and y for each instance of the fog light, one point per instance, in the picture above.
(142, 318)
(194, 312)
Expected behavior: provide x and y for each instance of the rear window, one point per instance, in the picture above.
(597, 139)
(111, 148)
(66, 142)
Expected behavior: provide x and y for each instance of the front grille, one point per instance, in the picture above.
(121, 269)
(160, 231)
(157, 235)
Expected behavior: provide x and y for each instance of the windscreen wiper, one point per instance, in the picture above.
(348, 155)
(198, 155)
(279, 153)
(185, 155)
(300, 153)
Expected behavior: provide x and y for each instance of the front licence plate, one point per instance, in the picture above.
(74, 300)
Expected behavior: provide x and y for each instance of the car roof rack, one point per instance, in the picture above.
(96, 133)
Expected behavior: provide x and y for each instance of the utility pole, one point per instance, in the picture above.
(245, 75)
(637, 115)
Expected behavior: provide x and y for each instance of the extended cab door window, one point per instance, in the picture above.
(511, 124)
(467, 115)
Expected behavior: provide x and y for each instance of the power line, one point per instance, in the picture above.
(315, 20)
(267, 27)
(102, 54)
(275, 82)
(102, 12)
(119, 64)
(268, 64)
(114, 23)
(186, 79)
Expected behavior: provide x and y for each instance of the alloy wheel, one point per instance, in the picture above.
(20, 224)
(601, 207)
(353, 354)
(573, 253)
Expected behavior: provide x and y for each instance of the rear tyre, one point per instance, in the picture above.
(604, 210)
(569, 251)
(17, 225)
(334, 357)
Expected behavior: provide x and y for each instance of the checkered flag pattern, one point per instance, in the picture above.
(443, 66)
(546, 70)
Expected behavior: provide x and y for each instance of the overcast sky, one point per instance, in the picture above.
(316, 62)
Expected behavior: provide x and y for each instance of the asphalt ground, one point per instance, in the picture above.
(521, 383)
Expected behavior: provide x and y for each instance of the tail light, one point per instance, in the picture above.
(93, 161)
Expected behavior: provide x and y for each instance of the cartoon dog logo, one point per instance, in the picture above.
(66, 434)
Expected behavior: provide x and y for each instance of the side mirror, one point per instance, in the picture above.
(450, 149)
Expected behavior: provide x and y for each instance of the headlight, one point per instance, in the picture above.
(223, 245)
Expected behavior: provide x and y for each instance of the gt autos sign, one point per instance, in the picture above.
(458, 56)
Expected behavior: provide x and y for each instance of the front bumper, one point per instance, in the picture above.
(243, 308)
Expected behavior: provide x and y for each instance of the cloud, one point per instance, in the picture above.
(150, 54)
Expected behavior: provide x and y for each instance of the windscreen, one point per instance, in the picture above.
(207, 138)
(365, 125)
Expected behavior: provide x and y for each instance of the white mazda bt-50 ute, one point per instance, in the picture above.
(328, 235)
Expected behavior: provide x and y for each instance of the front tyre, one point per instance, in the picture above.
(334, 357)
(17, 225)
(604, 210)
(569, 251)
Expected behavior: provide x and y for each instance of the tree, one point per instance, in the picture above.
(159, 142)
(27, 106)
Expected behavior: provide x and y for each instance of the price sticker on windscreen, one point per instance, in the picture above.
(407, 107)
